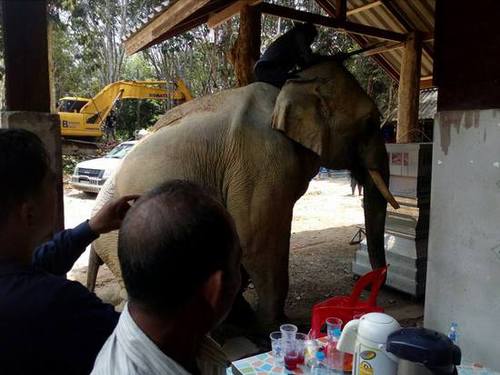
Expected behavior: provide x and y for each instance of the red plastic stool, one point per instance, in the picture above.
(345, 307)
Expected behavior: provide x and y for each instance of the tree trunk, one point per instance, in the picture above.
(246, 49)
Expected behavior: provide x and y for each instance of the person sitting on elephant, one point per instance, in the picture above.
(180, 256)
(286, 55)
(49, 325)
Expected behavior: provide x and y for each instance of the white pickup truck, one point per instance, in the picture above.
(90, 175)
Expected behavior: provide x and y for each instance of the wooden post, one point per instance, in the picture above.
(246, 49)
(409, 90)
(341, 10)
(26, 55)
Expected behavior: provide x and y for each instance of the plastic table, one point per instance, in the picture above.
(260, 364)
(263, 364)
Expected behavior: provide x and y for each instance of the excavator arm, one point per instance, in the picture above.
(88, 121)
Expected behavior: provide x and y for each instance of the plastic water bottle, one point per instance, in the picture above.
(453, 334)
(320, 367)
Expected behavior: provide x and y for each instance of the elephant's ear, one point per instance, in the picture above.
(300, 112)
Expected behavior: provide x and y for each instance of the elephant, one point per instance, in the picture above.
(257, 148)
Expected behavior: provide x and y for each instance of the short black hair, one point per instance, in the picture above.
(308, 30)
(24, 163)
(171, 241)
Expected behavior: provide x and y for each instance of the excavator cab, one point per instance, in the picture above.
(71, 104)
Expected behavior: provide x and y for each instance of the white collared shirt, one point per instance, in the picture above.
(129, 351)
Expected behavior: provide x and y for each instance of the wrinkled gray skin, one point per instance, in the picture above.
(258, 148)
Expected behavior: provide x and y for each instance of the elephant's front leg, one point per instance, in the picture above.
(265, 239)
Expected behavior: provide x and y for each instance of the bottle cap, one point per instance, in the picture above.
(320, 355)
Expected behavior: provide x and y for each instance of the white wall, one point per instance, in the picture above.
(463, 274)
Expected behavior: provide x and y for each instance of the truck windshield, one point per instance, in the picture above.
(119, 151)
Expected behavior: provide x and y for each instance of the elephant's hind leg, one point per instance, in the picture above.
(264, 230)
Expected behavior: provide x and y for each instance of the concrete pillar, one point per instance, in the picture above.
(47, 127)
(409, 90)
(463, 269)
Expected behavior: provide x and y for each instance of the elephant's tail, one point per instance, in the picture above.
(93, 268)
(105, 195)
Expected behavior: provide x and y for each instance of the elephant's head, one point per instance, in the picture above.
(326, 111)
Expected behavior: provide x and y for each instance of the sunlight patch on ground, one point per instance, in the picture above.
(327, 203)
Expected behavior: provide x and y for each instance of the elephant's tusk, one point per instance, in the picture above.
(380, 184)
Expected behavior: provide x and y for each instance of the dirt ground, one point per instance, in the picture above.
(325, 220)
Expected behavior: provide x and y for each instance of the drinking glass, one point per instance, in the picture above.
(300, 345)
(333, 328)
(288, 341)
(276, 346)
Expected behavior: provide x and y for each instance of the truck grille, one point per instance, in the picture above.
(89, 172)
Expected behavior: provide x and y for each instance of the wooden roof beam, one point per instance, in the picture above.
(218, 18)
(360, 40)
(364, 7)
(164, 22)
(317, 19)
(426, 82)
(341, 10)
(387, 47)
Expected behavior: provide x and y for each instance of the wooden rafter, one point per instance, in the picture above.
(351, 27)
(361, 41)
(365, 7)
(375, 53)
(216, 19)
(387, 47)
(160, 25)
(426, 81)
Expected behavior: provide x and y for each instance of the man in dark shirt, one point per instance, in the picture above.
(291, 51)
(48, 324)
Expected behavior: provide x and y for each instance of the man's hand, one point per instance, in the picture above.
(110, 216)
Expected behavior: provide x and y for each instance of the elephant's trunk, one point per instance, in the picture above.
(375, 179)
(375, 206)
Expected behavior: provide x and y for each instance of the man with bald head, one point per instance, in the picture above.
(180, 258)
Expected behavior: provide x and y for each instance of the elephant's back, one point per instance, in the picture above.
(222, 103)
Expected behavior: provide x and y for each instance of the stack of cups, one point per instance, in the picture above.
(288, 346)
(290, 352)
(335, 358)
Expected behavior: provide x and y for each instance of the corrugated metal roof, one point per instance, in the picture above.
(394, 15)
(401, 16)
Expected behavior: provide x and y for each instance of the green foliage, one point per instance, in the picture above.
(69, 162)
(198, 57)
(135, 114)
(88, 53)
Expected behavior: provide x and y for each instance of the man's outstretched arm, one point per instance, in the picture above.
(58, 255)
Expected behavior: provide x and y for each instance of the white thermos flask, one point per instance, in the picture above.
(366, 339)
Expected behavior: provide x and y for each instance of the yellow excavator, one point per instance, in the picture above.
(83, 118)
